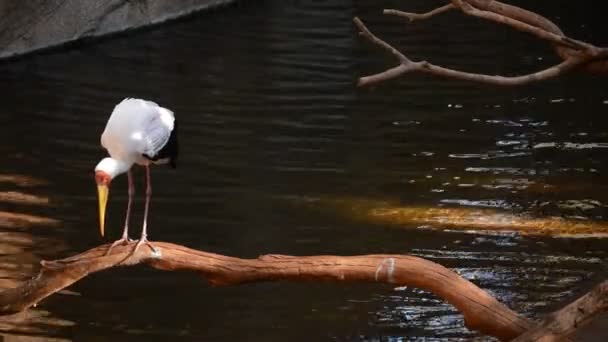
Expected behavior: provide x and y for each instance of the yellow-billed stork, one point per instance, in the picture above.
(138, 132)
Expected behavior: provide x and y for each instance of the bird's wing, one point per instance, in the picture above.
(137, 127)
(156, 130)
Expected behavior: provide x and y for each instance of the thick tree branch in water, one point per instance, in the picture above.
(574, 53)
(481, 311)
(560, 324)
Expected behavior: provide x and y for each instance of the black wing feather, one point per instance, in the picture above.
(170, 150)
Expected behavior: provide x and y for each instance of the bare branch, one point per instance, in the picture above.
(426, 67)
(386, 75)
(574, 53)
(558, 325)
(545, 74)
(517, 13)
(522, 26)
(381, 43)
(481, 311)
(419, 16)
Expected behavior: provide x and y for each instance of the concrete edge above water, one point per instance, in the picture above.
(30, 26)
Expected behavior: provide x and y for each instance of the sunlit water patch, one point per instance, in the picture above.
(472, 215)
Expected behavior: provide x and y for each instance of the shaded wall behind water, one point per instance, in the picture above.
(28, 26)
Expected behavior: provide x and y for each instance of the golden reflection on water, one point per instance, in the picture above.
(19, 254)
(26, 325)
(21, 180)
(426, 217)
(17, 197)
(20, 220)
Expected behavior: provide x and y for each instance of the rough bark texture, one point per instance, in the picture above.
(559, 325)
(34, 24)
(481, 311)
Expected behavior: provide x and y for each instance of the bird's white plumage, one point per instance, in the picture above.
(137, 127)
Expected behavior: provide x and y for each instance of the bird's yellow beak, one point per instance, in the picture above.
(102, 193)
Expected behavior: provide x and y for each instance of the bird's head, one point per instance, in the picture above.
(105, 171)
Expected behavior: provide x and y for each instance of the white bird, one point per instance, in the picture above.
(138, 132)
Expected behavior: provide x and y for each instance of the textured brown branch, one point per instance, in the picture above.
(407, 66)
(419, 16)
(574, 53)
(481, 311)
(556, 38)
(560, 324)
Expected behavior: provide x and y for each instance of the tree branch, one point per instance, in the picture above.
(560, 324)
(408, 65)
(419, 16)
(559, 39)
(481, 311)
(574, 53)
(381, 43)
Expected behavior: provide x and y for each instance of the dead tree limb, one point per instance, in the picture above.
(481, 311)
(560, 324)
(406, 66)
(419, 16)
(575, 53)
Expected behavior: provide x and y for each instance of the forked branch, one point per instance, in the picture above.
(407, 66)
(574, 53)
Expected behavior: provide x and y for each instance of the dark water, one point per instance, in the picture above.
(270, 119)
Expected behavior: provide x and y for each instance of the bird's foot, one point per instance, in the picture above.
(144, 241)
(124, 240)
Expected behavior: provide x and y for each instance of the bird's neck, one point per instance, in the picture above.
(113, 167)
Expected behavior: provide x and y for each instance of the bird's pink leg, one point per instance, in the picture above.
(143, 239)
(125, 233)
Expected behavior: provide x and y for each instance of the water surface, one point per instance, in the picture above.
(271, 122)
